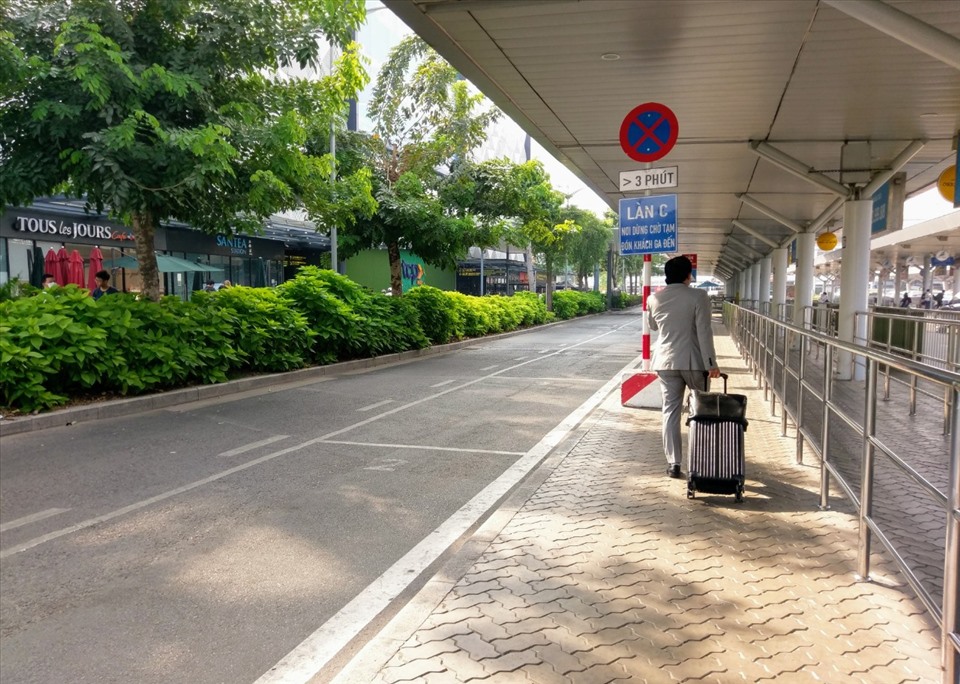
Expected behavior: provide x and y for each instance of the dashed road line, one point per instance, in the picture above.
(377, 405)
(445, 382)
(253, 445)
(426, 447)
(35, 517)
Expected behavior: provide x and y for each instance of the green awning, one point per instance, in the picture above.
(165, 264)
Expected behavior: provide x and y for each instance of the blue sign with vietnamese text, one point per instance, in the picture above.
(648, 225)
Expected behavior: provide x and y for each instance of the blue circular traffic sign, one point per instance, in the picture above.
(649, 132)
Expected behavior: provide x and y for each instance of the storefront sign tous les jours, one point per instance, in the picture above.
(66, 230)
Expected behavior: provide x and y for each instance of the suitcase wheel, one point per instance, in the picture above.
(739, 497)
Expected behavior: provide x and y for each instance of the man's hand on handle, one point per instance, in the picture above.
(714, 373)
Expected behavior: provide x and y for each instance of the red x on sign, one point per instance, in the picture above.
(649, 132)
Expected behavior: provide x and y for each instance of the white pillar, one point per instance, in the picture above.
(765, 264)
(742, 285)
(956, 280)
(755, 284)
(803, 282)
(779, 280)
(897, 280)
(730, 286)
(854, 280)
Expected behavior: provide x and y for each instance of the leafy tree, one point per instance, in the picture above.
(426, 123)
(589, 247)
(175, 109)
(523, 194)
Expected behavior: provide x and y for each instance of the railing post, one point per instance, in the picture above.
(866, 483)
(783, 383)
(886, 375)
(825, 435)
(950, 645)
(804, 341)
(913, 376)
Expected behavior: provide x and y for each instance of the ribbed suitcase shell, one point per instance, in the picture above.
(716, 458)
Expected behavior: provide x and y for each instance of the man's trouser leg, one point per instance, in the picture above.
(673, 384)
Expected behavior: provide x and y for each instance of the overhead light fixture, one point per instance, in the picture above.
(609, 56)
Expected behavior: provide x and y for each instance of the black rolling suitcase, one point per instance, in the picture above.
(717, 423)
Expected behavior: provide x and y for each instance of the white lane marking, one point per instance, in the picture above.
(520, 358)
(27, 519)
(314, 652)
(276, 454)
(489, 367)
(441, 384)
(424, 447)
(377, 405)
(543, 351)
(253, 445)
(387, 464)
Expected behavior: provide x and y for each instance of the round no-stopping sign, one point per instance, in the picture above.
(649, 132)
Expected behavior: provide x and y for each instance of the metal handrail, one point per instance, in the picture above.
(756, 337)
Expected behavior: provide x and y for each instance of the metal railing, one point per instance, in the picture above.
(901, 481)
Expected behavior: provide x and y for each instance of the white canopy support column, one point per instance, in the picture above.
(730, 286)
(854, 278)
(755, 283)
(779, 282)
(764, 298)
(803, 284)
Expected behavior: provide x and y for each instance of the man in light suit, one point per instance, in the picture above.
(684, 349)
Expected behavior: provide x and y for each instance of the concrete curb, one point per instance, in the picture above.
(114, 408)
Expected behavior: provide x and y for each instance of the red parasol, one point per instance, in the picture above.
(75, 268)
(96, 264)
(51, 265)
(63, 260)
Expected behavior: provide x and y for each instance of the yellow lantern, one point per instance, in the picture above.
(827, 241)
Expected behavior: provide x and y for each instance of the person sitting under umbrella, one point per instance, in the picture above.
(48, 281)
(103, 285)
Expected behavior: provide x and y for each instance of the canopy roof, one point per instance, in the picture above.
(802, 76)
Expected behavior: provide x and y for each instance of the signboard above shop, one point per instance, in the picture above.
(648, 225)
(648, 179)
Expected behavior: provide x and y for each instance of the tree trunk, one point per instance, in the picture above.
(531, 276)
(396, 281)
(144, 228)
(548, 296)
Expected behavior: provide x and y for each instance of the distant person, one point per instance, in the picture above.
(938, 300)
(684, 354)
(824, 297)
(225, 284)
(905, 301)
(103, 285)
(48, 281)
(925, 299)
(208, 287)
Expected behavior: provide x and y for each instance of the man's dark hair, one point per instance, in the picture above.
(46, 276)
(677, 269)
(103, 275)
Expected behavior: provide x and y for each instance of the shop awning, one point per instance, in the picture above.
(165, 264)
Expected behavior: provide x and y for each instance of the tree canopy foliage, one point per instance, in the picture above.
(177, 109)
(426, 124)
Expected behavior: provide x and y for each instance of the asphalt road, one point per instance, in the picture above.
(206, 543)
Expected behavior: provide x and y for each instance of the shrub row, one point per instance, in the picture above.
(60, 344)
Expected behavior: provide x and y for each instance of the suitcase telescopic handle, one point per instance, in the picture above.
(706, 377)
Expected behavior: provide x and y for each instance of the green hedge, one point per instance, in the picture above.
(60, 344)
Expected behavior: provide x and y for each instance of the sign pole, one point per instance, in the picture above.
(647, 278)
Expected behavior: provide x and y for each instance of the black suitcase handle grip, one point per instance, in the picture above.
(706, 377)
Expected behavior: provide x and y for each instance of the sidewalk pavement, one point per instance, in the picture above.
(601, 570)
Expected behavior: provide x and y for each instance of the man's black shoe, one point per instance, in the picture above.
(674, 470)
